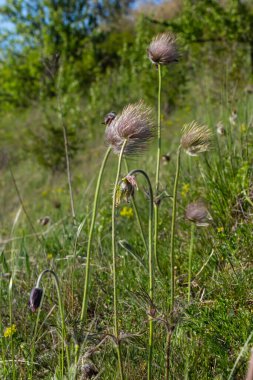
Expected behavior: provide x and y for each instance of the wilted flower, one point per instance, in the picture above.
(233, 118)
(248, 89)
(196, 138)
(109, 118)
(163, 49)
(126, 188)
(198, 213)
(220, 129)
(135, 125)
(89, 371)
(35, 298)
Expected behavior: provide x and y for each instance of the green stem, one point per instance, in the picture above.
(56, 280)
(115, 298)
(172, 235)
(151, 269)
(190, 261)
(11, 321)
(3, 348)
(33, 340)
(159, 140)
(136, 212)
(94, 213)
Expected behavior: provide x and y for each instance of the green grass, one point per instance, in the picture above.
(207, 334)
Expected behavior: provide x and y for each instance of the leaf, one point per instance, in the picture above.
(129, 249)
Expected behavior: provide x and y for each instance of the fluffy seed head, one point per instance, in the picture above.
(196, 138)
(35, 298)
(198, 213)
(163, 49)
(133, 124)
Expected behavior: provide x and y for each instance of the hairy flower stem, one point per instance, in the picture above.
(168, 353)
(91, 230)
(33, 339)
(190, 261)
(56, 280)
(172, 233)
(151, 269)
(65, 138)
(159, 141)
(115, 298)
(10, 298)
(136, 212)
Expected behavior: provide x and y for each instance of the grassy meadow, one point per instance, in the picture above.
(169, 287)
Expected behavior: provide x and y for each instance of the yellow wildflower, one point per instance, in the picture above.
(9, 331)
(185, 189)
(220, 229)
(59, 190)
(49, 256)
(127, 212)
(243, 128)
(44, 193)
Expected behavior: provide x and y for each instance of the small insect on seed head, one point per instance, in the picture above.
(163, 49)
(109, 118)
(198, 213)
(196, 138)
(133, 125)
(35, 298)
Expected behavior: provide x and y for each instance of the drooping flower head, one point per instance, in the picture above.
(133, 124)
(196, 138)
(163, 49)
(35, 298)
(198, 213)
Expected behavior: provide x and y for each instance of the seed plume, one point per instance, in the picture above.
(133, 124)
(196, 138)
(163, 49)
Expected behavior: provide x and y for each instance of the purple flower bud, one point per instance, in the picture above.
(35, 298)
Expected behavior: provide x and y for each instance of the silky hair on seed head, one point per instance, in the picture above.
(163, 49)
(196, 138)
(134, 124)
